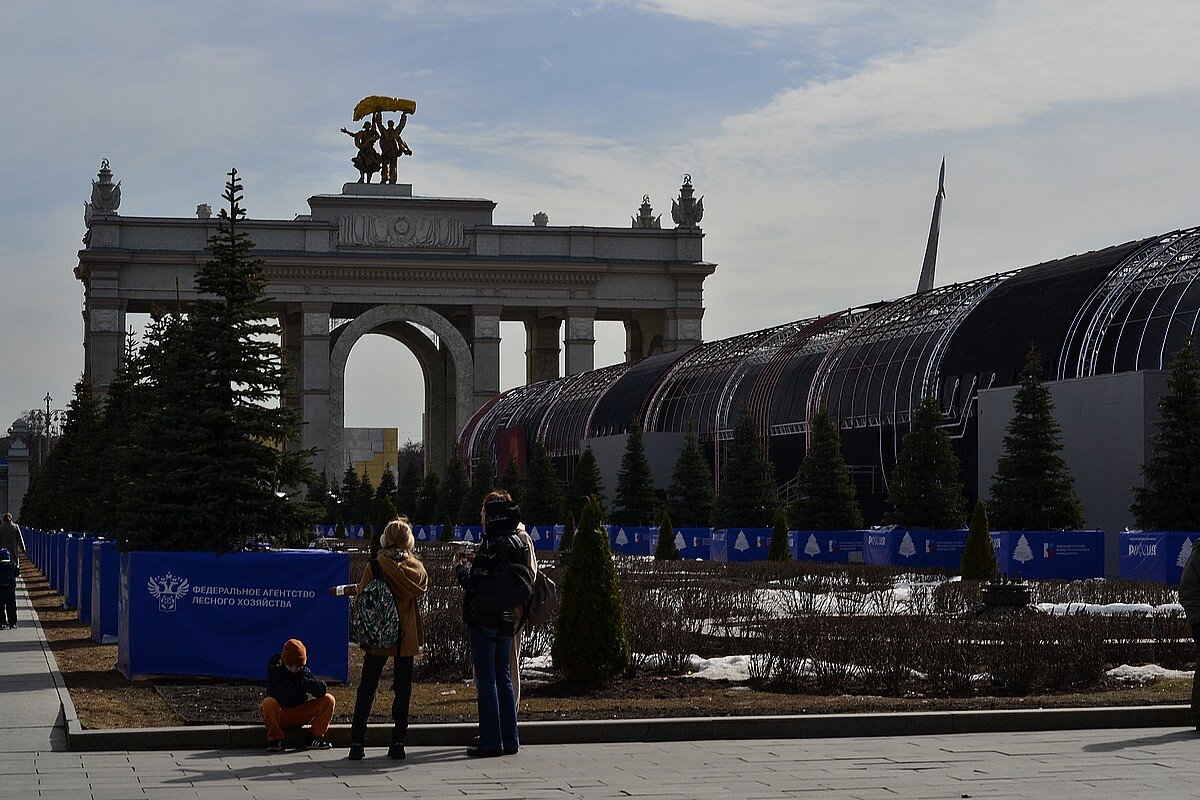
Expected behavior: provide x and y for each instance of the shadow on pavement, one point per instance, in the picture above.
(1144, 741)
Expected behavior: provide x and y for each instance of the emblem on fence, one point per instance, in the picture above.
(168, 590)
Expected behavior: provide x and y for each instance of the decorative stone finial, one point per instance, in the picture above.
(687, 211)
(645, 217)
(203, 211)
(541, 219)
(106, 195)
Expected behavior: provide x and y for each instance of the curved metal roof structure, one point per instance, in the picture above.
(1122, 308)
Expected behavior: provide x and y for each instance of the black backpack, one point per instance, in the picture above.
(509, 586)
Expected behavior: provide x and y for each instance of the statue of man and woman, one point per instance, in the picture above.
(391, 147)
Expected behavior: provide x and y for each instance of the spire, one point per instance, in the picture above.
(935, 227)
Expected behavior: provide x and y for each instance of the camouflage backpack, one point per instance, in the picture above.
(373, 619)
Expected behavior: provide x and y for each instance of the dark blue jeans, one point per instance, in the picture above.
(497, 703)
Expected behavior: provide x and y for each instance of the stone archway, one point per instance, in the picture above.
(383, 319)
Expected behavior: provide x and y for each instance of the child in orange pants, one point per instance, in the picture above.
(289, 684)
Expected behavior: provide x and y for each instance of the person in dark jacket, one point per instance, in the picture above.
(289, 684)
(1189, 598)
(490, 632)
(8, 589)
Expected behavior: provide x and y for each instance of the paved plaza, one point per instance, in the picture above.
(1128, 763)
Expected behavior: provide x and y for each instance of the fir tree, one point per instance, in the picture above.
(826, 498)
(454, 489)
(979, 556)
(568, 538)
(747, 498)
(118, 420)
(543, 498)
(385, 512)
(780, 549)
(363, 504)
(348, 496)
(690, 496)
(387, 486)
(1170, 500)
(634, 502)
(511, 482)
(590, 645)
(427, 500)
(926, 489)
(228, 450)
(409, 489)
(665, 550)
(482, 482)
(1033, 489)
(447, 534)
(586, 483)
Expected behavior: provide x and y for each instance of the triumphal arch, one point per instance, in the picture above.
(435, 273)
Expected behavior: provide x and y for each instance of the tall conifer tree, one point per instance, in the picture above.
(926, 486)
(690, 496)
(217, 474)
(747, 498)
(826, 500)
(482, 482)
(454, 489)
(409, 489)
(979, 556)
(1170, 500)
(511, 481)
(543, 499)
(586, 482)
(1033, 489)
(427, 500)
(634, 502)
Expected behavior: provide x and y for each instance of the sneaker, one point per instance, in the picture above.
(275, 746)
(510, 751)
(396, 752)
(357, 751)
(319, 743)
(479, 752)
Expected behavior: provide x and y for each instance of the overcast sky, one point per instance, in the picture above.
(813, 129)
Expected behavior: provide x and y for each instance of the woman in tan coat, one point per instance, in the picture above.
(406, 576)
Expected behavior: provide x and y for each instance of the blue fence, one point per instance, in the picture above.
(83, 580)
(1050, 555)
(915, 548)
(829, 546)
(106, 584)
(1155, 555)
(175, 608)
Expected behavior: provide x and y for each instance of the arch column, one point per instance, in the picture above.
(580, 340)
(454, 354)
(485, 347)
(542, 348)
(312, 384)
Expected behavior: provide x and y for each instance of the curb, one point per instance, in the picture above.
(817, 726)
(68, 719)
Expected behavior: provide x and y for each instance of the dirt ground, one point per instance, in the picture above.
(104, 699)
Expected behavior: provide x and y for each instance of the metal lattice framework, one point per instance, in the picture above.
(698, 388)
(523, 405)
(1136, 316)
(879, 370)
(566, 419)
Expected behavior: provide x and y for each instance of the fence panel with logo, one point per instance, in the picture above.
(691, 543)
(740, 544)
(1050, 555)
(427, 533)
(1155, 555)
(632, 540)
(224, 616)
(915, 548)
(828, 546)
(545, 537)
(106, 584)
(83, 580)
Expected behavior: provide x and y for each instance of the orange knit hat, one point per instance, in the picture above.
(294, 654)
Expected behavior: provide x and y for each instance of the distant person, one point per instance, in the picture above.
(1189, 598)
(11, 538)
(405, 575)
(289, 684)
(8, 589)
(490, 632)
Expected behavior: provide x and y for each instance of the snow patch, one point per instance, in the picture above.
(1146, 673)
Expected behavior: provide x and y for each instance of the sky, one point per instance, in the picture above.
(813, 129)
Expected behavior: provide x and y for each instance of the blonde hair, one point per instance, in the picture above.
(398, 535)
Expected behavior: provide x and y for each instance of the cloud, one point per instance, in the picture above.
(1019, 64)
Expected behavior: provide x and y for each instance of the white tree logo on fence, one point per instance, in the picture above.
(621, 537)
(811, 548)
(741, 543)
(1185, 552)
(168, 590)
(680, 542)
(907, 548)
(1022, 552)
